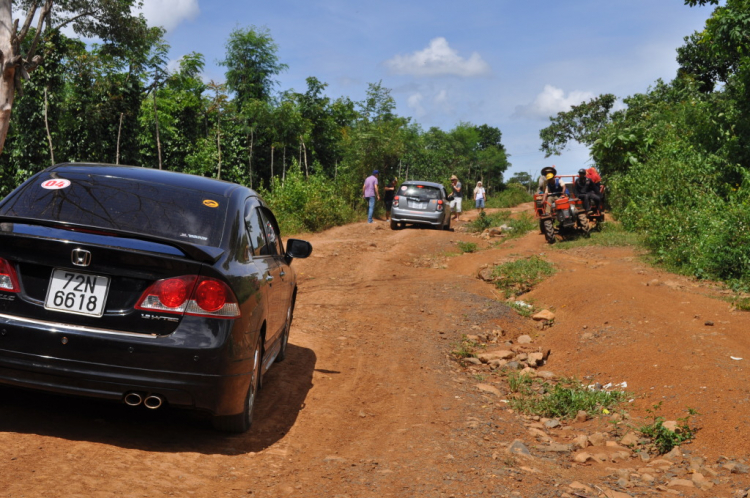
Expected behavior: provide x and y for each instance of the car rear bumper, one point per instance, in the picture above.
(73, 363)
(401, 215)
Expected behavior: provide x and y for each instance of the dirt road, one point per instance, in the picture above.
(371, 403)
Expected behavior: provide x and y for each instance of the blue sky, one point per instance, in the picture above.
(509, 64)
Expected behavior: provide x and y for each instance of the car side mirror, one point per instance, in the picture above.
(296, 248)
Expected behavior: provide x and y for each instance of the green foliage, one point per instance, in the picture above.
(663, 439)
(525, 309)
(308, 205)
(520, 383)
(581, 123)
(610, 235)
(518, 277)
(251, 63)
(512, 196)
(464, 349)
(565, 399)
(467, 246)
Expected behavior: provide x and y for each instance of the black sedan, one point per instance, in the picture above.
(143, 286)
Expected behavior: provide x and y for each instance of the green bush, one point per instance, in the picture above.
(309, 205)
(518, 277)
(467, 246)
(513, 195)
(565, 399)
(663, 439)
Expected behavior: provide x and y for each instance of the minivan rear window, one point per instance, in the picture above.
(421, 191)
(130, 205)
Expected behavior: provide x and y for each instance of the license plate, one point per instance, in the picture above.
(417, 205)
(80, 293)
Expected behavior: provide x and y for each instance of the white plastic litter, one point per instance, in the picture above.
(735, 358)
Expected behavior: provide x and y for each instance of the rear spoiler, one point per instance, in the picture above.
(203, 254)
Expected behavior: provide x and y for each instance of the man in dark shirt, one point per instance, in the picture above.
(585, 190)
(390, 193)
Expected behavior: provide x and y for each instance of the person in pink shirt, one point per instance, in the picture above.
(370, 193)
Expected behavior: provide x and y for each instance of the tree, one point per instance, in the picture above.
(111, 21)
(718, 51)
(251, 63)
(581, 123)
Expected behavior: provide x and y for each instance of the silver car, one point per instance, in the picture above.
(421, 202)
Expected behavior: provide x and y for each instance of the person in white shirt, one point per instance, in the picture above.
(479, 196)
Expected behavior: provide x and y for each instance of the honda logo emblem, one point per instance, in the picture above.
(80, 257)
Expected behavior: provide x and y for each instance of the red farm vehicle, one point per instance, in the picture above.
(564, 214)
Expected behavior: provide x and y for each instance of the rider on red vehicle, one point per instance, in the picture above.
(586, 191)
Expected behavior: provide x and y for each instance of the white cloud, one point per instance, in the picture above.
(551, 101)
(438, 59)
(415, 102)
(169, 13)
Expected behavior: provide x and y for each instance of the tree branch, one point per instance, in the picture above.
(43, 15)
(27, 22)
(73, 19)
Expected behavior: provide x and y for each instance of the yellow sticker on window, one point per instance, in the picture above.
(210, 203)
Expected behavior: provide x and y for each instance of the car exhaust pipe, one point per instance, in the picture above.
(153, 401)
(133, 399)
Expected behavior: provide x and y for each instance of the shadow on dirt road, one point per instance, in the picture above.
(285, 388)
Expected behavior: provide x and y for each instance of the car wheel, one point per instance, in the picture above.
(447, 225)
(394, 225)
(285, 335)
(242, 421)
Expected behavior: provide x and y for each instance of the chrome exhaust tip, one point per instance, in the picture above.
(133, 399)
(153, 401)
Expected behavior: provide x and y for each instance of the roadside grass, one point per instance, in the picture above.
(467, 247)
(510, 197)
(611, 235)
(520, 383)
(518, 277)
(564, 399)
(523, 308)
(465, 348)
(741, 303)
(664, 439)
(517, 225)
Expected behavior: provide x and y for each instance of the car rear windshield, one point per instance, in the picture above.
(122, 204)
(423, 192)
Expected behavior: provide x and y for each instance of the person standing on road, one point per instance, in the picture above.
(479, 196)
(457, 196)
(390, 193)
(370, 193)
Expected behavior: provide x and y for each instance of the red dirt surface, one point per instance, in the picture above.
(370, 402)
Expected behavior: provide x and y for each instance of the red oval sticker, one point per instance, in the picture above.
(55, 184)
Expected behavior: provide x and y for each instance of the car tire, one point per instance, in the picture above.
(242, 421)
(447, 226)
(394, 225)
(285, 335)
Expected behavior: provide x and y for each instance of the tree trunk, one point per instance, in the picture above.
(304, 153)
(156, 121)
(283, 167)
(271, 182)
(250, 138)
(8, 76)
(218, 146)
(119, 133)
(46, 125)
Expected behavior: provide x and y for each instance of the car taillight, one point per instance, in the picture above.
(395, 201)
(191, 295)
(8, 277)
